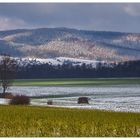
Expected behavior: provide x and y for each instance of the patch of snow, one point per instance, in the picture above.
(57, 61)
(4, 101)
(117, 98)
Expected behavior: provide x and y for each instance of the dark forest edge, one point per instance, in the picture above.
(43, 71)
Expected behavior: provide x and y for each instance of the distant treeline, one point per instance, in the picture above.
(122, 69)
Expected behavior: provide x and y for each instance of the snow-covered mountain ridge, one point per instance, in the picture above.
(47, 43)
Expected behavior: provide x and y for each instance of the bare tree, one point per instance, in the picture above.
(8, 67)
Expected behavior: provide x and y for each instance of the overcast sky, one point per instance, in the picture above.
(107, 17)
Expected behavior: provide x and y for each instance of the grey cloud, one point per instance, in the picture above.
(91, 16)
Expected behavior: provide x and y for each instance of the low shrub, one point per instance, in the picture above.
(9, 96)
(6, 95)
(83, 100)
(20, 100)
(49, 102)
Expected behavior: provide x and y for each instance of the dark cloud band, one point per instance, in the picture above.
(113, 17)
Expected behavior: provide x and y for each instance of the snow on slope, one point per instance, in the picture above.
(72, 43)
(56, 61)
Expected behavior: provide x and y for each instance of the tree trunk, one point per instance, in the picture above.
(4, 89)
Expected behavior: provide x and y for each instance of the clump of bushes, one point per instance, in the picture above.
(83, 100)
(6, 95)
(20, 100)
(49, 102)
(9, 96)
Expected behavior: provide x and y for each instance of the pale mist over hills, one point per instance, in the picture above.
(71, 43)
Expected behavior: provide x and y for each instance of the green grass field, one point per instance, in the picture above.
(77, 82)
(29, 121)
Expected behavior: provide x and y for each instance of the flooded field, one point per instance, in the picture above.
(116, 98)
